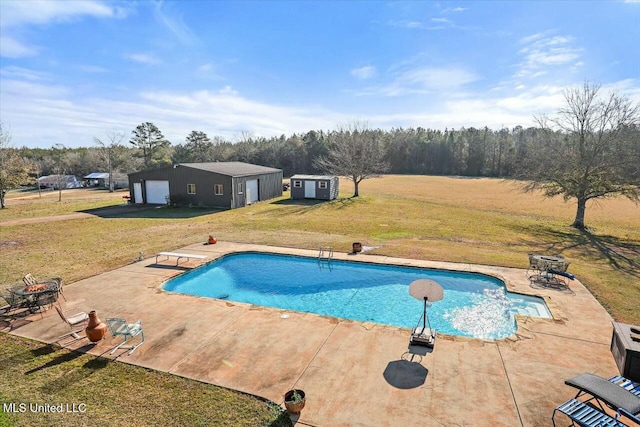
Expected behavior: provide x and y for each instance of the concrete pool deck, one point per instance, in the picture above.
(353, 373)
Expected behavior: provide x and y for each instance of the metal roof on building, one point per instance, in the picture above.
(230, 168)
(97, 175)
(313, 176)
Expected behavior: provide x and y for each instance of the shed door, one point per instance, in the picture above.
(157, 191)
(310, 189)
(137, 192)
(252, 191)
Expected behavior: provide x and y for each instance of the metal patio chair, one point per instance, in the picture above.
(73, 321)
(118, 326)
(15, 300)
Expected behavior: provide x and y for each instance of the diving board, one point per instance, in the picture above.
(179, 256)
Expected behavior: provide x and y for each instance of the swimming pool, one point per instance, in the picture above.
(474, 305)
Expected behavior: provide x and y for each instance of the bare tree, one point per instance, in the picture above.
(588, 150)
(59, 157)
(13, 169)
(355, 152)
(109, 152)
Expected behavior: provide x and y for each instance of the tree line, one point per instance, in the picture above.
(462, 152)
(418, 151)
(589, 149)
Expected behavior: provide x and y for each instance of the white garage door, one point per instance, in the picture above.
(252, 191)
(157, 191)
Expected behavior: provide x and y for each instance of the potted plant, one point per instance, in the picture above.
(294, 401)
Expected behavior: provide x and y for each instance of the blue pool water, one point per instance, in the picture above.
(474, 305)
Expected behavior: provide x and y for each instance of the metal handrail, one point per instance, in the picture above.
(321, 253)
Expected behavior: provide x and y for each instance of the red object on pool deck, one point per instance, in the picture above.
(212, 240)
(95, 329)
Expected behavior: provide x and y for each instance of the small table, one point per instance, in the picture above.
(550, 262)
(34, 299)
(546, 268)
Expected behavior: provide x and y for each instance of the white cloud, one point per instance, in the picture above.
(532, 38)
(30, 91)
(227, 90)
(479, 111)
(552, 57)
(422, 80)
(364, 73)
(628, 87)
(541, 98)
(174, 21)
(436, 78)
(12, 48)
(21, 73)
(74, 122)
(17, 14)
(143, 58)
(433, 24)
(29, 97)
(208, 71)
(414, 24)
(454, 9)
(542, 51)
(407, 24)
(92, 69)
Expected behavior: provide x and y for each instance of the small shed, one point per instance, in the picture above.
(57, 182)
(319, 187)
(101, 180)
(217, 184)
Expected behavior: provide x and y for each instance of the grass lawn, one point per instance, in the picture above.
(483, 221)
(115, 393)
(31, 204)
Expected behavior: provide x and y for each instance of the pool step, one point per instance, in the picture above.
(526, 311)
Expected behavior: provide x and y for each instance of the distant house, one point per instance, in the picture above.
(219, 184)
(320, 187)
(57, 182)
(101, 180)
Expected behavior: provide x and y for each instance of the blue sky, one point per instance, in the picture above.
(74, 70)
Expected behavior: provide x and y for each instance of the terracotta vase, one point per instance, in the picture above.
(95, 330)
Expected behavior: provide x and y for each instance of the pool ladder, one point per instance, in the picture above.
(325, 253)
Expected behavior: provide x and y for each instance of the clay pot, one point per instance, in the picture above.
(357, 247)
(294, 404)
(95, 330)
(212, 240)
